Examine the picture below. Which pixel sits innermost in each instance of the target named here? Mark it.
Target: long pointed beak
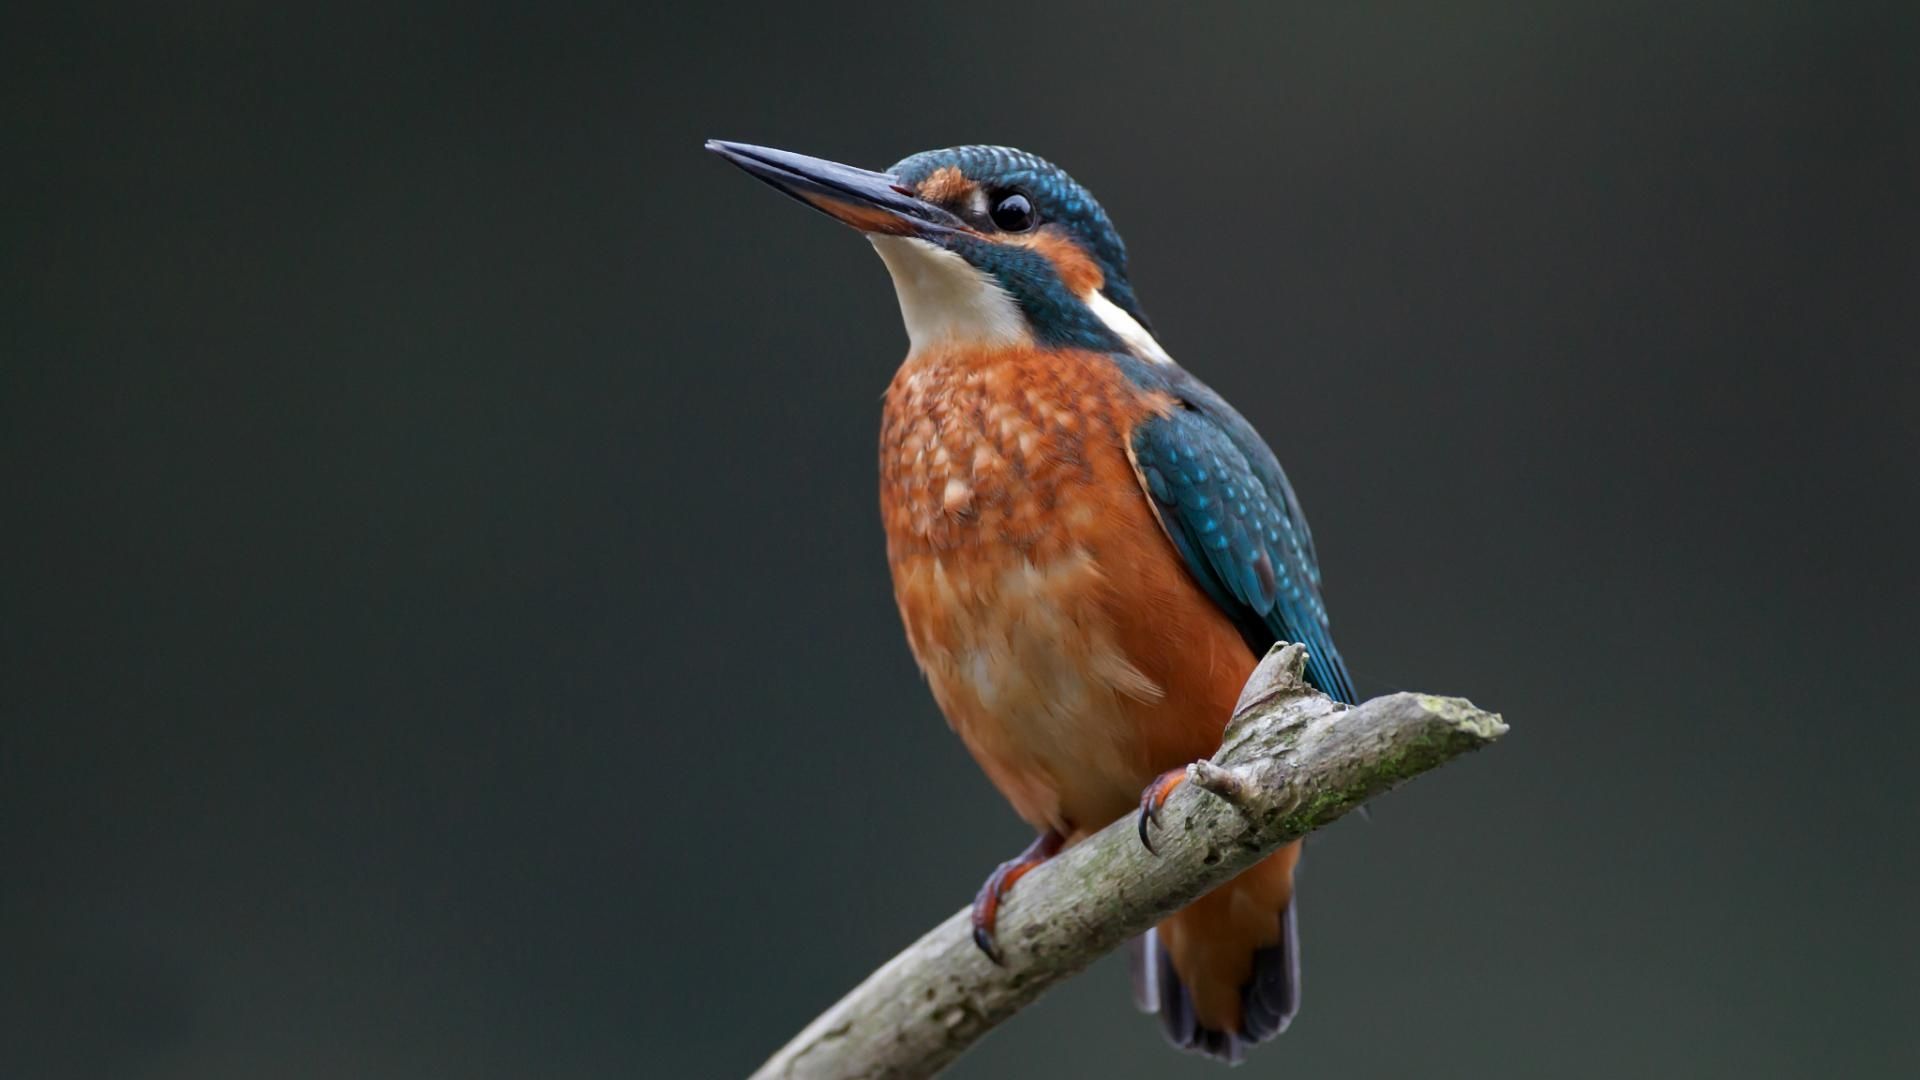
(868, 201)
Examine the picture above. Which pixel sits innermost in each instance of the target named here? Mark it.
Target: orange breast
(1058, 629)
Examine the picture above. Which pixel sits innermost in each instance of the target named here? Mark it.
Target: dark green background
(443, 624)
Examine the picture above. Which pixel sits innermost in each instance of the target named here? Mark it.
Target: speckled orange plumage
(1061, 634)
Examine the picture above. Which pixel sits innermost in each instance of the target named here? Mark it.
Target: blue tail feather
(1267, 1003)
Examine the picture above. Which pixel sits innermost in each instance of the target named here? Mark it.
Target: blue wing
(1227, 507)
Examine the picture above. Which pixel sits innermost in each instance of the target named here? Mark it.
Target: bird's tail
(1224, 972)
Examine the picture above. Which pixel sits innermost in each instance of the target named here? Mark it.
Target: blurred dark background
(444, 628)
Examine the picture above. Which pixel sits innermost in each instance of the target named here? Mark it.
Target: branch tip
(1292, 762)
(1227, 783)
(1280, 673)
(1465, 717)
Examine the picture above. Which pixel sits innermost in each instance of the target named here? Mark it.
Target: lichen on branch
(1292, 761)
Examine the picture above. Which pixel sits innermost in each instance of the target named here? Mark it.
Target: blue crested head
(1020, 192)
(986, 244)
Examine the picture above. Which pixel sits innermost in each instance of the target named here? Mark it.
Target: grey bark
(1291, 761)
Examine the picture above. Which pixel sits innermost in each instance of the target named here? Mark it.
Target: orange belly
(1061, 634)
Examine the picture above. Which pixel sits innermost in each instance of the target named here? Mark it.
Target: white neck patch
(1127, 328)
(943, 299)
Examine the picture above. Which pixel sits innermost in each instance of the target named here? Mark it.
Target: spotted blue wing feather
(1227, 507)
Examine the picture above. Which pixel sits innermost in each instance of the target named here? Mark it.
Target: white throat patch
(944, 299)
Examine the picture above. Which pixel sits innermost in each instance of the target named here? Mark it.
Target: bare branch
(1291, 761)
(1229, 784)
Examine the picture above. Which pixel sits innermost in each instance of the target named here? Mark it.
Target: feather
(1225, 503)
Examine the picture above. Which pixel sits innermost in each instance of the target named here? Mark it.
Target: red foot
(986, 903)
(1155, 797)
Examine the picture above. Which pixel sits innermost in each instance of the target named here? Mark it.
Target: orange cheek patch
(1077, 271)
(947, 186)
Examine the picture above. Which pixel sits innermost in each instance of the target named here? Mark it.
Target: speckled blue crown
(1057, 196)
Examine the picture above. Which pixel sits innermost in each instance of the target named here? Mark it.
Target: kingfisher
(1090, 549)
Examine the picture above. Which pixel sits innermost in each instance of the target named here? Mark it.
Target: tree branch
(1291, 761)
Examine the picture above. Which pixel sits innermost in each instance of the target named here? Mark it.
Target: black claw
(984, 939)
(1147, 817)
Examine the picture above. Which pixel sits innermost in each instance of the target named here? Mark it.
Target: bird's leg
(1155, 797)
(986, 903)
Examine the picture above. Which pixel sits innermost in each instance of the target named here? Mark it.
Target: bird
(1090, 549)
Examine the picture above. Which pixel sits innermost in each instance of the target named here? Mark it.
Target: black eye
(1014, 213)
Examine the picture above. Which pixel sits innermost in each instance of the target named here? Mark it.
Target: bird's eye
(1014, 213)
